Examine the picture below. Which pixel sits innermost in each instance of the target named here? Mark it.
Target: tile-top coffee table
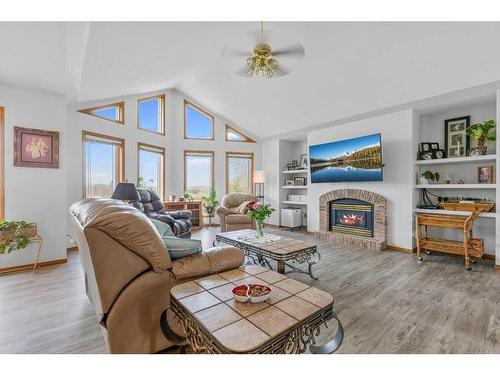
(276, 247)
(214, 322)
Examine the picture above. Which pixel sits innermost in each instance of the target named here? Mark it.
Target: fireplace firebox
(351, 216)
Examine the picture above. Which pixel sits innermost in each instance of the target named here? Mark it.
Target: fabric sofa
(128, 272)
(152, 206)
(230, 215)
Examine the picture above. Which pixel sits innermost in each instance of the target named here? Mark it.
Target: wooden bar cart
(471, 248)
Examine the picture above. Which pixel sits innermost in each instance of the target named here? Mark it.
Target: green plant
(210, 201)
(259, 211)
(482, 132)
(13, 238)
(432, 176)
(187, 196)
(140, 182)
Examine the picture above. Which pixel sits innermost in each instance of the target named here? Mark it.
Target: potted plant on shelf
(15, 235)
(429, 176)
(259, 211)
(481, 133)
(210, 201)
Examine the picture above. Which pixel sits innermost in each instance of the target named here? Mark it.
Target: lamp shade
(259, 177)
(126, 191)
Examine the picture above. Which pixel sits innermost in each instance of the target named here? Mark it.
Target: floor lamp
(259, 177)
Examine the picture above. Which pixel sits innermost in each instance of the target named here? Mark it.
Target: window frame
(203, 153)
(121, 156)
(2, 165)
(247, 155)
(247, 139)
(161, 151)
(162, 98)
(187, 104)
(121, 112)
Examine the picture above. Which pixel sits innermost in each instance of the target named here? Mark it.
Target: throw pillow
(177, 247)
(162, 227)
(242, 208)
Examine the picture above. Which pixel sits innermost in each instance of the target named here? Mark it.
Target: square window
(150, 114)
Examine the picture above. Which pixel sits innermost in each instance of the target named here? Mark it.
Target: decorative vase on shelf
(259, 228)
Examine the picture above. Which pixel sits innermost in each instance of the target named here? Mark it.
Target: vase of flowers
(259, 211)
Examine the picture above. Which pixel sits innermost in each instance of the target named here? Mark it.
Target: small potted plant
(481, 133)
(259, 211)
(429, 176)
(15, 235)
(210, 201)
(187, 196)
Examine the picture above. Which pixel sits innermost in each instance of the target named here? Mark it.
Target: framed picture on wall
(36, 148)
(304, 161)
(456, 141)
(485, 175)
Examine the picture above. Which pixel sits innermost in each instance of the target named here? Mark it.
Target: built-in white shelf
(295, 171)
(300, 203)
(455, 186)
(295, 187)
(490, 215)
(465, 159)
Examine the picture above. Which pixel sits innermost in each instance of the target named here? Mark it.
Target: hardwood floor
(387, 302)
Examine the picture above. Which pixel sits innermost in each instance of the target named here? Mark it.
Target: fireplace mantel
(379, 239)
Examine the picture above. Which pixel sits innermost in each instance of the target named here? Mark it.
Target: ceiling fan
(262, 61)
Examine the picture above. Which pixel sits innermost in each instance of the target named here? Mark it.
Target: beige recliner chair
(129, 273)
(230, 217)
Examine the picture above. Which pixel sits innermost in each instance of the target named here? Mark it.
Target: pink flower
(252, 205)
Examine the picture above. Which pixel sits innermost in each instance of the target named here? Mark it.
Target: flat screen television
(356, 159)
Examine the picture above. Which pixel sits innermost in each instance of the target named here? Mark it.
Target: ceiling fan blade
(280, 71)
(229, 53)
(293, 51)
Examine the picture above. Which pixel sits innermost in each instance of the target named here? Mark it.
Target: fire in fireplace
(351, 216)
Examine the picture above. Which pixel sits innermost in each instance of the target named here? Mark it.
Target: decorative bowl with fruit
(255, 293)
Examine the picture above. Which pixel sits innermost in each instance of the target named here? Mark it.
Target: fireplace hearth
(353, 217)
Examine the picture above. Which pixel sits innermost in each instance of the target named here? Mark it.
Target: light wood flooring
(387, 302)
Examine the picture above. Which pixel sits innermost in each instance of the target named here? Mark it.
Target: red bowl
(240, 293)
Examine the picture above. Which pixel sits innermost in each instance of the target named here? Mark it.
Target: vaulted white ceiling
(349, 68)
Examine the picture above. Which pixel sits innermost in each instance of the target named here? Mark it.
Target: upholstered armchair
(232, 214)
(128, 272)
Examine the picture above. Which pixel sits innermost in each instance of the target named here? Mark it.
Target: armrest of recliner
(223, 211)
(181, 214)
(211, 260)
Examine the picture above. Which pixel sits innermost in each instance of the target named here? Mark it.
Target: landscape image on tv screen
(356, 159)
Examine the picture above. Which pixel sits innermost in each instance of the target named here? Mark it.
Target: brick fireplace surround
(379, 240)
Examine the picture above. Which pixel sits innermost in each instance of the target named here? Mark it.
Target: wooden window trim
(161, 151)
(246, 140)
(242, 154)
(121, 155)
(121, 112)
(188, 103)
(203, 153)
(2, 162)
(162, 99)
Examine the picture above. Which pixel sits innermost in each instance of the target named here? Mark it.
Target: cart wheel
(473, 261)
(428, 252)
(420, 258)
(469, 268)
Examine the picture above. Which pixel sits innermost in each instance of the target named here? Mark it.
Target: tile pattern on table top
(234, 275)
(244, 326)
(272, 320)
(186, 289)
(241, 336)
(211, 281)
(217, 316)
(291, 285)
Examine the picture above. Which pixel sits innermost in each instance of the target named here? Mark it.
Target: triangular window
(112, 112)
(232, 135)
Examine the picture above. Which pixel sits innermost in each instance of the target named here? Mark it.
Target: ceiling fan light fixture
(262, 63)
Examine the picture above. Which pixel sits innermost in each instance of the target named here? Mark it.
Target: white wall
(35, 194)
(173, 142)
(397, 148)
(271, 167)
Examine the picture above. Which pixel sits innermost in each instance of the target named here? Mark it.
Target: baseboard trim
(401, 249)
(25, 267)
(488, 256)
(497, 267)
(72, 248)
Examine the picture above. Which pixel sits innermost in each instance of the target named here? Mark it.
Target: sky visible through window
(100, 169)
(198, 125)
(149, 170)
(198, 174)
(232, 136)
(110, 113)
(149, 115)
